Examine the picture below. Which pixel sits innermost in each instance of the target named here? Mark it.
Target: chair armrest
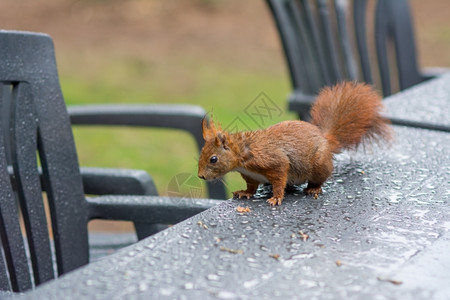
(107, 181)
(147, 209)
(183, 117)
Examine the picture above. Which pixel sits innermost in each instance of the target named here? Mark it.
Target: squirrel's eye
(213, 159)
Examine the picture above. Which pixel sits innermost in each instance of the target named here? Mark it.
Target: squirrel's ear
(204, 128)
(207, 132)
(222, 140)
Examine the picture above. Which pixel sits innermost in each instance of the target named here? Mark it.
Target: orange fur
(294, 152)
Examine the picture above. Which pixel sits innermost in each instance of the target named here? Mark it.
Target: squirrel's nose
(202, 177)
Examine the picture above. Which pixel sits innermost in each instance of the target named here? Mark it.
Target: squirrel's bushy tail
(348, 114)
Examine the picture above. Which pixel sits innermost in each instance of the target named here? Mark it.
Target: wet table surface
(425, 105)
(380, 230)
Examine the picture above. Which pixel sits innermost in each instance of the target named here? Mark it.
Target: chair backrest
(325, 41)
(35, 132)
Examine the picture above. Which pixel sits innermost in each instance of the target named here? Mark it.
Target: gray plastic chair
(318, 38)
(38, 156)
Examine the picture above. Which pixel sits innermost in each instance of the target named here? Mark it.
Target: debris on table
(243, 209)
(275, 256)
(338, 263)
(393, 281)
(234, 251)
(203, 225)
(303, 235)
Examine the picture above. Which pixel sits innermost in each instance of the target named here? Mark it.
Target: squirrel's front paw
(242, 194)
(275, 201)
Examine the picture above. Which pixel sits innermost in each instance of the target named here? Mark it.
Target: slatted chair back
(325, 42)
(36, 133)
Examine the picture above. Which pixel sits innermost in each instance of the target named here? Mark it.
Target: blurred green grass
(215, 85)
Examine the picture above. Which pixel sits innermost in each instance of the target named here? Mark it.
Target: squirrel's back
(348, 114)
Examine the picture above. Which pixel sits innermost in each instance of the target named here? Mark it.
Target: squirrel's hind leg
(313, 189)
(322, 170)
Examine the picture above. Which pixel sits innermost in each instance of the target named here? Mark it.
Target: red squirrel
(295, 152)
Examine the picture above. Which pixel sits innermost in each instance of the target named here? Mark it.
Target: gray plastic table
(426, 105)
(381, 230)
